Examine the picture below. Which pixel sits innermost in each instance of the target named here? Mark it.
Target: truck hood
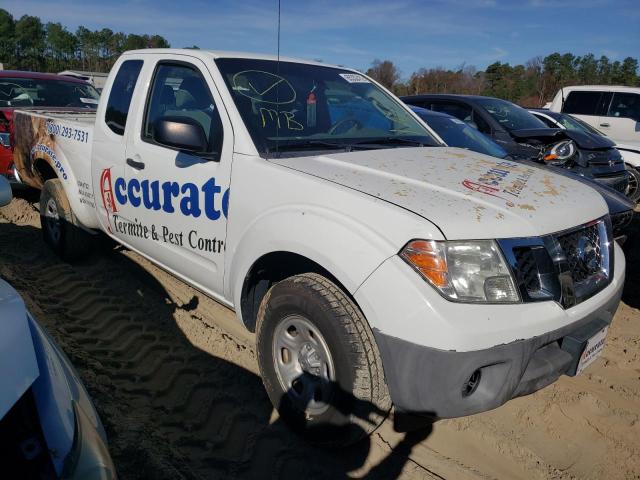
(585, 141)
(18, 363)
(467, 195)
(616, 201)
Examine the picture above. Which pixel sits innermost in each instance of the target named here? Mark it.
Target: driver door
(181, 198)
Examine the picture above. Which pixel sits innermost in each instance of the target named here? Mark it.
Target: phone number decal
(76, 134)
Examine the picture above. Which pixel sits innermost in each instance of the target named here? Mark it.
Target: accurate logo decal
(499, 181)
(170, 197)
(106, 190)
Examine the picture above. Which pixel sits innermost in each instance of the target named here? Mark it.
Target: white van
(612, 109)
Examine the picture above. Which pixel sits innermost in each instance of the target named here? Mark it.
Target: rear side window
(120, 96)
(582, 103)
(625, 105)
(546, 121)
(463, 112)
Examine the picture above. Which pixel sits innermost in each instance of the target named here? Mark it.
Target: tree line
(28, 44)
(531, 84)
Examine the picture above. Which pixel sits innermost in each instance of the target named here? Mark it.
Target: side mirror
(183, 133)
(5, 191)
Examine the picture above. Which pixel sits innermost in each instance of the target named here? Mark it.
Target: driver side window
(180, 91)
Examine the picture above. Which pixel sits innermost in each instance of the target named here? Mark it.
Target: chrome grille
(527, 269)
(568, 267)
(582, 249)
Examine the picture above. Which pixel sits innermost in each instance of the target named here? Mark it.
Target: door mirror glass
(182, 133)
(5, 192)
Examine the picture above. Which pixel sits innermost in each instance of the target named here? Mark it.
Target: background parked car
(525, 137)
(613, 109)
(36, 90)
(630, 154)
(48, 425)
(457, 133)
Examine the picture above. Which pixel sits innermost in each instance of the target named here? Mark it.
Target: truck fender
(342, 245)
(59, 165)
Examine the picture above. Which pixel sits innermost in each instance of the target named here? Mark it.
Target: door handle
(605, 125)
(135, 164)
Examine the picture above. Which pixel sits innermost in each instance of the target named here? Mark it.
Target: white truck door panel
(174, 204)
(622, 122)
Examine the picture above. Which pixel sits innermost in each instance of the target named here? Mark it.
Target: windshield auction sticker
(354, 78)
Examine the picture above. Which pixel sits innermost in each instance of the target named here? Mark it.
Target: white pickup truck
(375, 265)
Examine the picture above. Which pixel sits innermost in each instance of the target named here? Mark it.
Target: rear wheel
(60, 227)
(319, 361)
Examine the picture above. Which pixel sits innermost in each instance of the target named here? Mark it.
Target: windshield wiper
(289, 146)
(391, 141)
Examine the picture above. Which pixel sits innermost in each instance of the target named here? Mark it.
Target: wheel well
(44, 170)
(270, 269)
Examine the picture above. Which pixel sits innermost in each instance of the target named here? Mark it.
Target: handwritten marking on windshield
(270, 115)
(261, 87)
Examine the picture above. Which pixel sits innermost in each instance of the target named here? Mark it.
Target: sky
(413, 34)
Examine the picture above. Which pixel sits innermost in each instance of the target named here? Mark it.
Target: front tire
(319, 361)
(60, 227)
(633, 191)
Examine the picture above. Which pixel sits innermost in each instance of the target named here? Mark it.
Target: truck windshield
(30, 92)
(289, 106)
(509, 115)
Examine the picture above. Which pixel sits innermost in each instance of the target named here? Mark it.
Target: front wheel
(633, 190)
(60, 228)
(319, 361)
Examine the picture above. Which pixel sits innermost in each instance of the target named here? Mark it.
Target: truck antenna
(278, 88)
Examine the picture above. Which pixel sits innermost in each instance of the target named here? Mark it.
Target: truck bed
(56, 143)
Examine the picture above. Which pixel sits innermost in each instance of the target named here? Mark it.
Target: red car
(26, 90)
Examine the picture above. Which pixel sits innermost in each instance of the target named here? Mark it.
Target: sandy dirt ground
(175, 381)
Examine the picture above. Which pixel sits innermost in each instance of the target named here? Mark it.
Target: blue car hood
(18, 363)
(586, 141)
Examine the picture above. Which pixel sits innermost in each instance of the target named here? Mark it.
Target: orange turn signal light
(429, 260)
(551, 156)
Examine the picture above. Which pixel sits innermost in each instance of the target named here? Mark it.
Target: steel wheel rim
(632, 188)
(303, 364)
(52, 221)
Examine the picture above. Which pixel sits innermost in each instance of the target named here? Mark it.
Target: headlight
(560, 153)
(463, 271)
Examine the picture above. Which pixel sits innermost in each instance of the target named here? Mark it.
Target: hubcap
(303, 364)
(52, 221)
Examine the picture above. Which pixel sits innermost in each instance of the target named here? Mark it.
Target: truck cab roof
(207, 54)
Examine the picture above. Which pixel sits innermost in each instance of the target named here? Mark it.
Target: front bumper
(431, 347)
(447, 384)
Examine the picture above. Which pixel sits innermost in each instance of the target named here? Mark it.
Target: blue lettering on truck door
(190, 199)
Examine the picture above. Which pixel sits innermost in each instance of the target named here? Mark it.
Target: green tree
(587, 69)
(629, 72)
(7, 39)
(30, 42)
(61, 47)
